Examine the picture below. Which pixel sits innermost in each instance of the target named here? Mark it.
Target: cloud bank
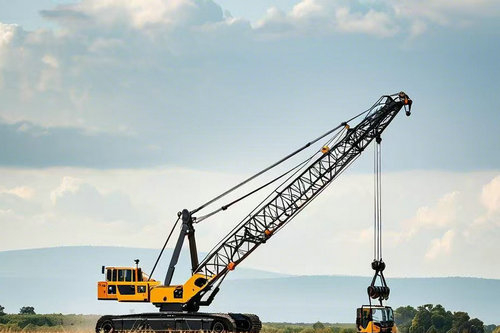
(427, 229)
(116, 82)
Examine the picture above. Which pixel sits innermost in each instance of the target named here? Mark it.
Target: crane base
(179, 321)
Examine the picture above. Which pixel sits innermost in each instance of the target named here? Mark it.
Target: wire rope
(377, 201)
(163, 248)
(343, 124)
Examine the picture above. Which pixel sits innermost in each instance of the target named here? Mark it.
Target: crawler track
(179, 321)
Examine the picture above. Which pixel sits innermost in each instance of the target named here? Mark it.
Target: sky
(115, 115)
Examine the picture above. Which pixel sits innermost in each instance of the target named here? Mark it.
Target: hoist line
(343, 124)
(374, 202)
(379, 146)
(377, 201)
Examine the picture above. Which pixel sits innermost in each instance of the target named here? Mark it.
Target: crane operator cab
(125, 284)
(376, 319)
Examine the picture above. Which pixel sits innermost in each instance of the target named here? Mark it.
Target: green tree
(423, 319)
(29, 310)
(432, 329)
(347, 330)
(441, 319)
(489, 328)
(438, 321)
(2, 310)
(476, 326)
(460, 322)
(404, 315)
(318, 325)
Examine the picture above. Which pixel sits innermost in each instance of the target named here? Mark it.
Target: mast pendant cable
(164, 246)
(293, 171)
(342, 125)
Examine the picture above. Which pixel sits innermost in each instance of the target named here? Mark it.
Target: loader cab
(376, 319)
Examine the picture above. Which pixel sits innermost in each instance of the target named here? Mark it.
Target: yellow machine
(125, 284)
(375, 319)
(128, 284)
(179, 304)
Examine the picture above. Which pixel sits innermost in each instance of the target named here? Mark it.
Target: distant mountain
(63, 280)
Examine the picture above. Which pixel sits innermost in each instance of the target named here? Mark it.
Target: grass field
(58, 323)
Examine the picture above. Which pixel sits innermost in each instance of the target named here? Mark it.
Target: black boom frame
(257, 228)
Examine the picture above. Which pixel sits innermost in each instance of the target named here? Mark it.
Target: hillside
(62, 280)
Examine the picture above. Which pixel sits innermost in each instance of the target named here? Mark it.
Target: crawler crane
(179, 304)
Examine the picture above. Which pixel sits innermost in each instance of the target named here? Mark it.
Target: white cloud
(490, 196)
(50, 61)
(382, 18)
(489, 219)
(308, 8)
(7, 32)
(23, 192)
(75, 197)
(136, 14)
(446, 12)
(441, 246)
(373, 22)
(68, 185)
(443, 214)
(417, 28)
(92, 71)
(326, 17)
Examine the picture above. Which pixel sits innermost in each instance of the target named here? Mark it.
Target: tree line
(424, 319)
(436, 319)
(27, 320)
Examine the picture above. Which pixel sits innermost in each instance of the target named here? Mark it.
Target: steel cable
(163, 248)
(343, 124)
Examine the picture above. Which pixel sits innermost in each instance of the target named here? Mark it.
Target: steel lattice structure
(289, 201)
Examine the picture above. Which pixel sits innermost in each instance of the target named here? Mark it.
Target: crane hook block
(378, 265)
(231, 266)
(379, 292)
(325, 149)
(268, 232)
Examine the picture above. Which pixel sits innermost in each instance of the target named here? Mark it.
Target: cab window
(109, 273)
(114, 275)
(390, 315)
(378, 315)
(121, 275)
(128, 275)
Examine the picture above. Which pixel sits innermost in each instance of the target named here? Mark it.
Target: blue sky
(92, 91)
